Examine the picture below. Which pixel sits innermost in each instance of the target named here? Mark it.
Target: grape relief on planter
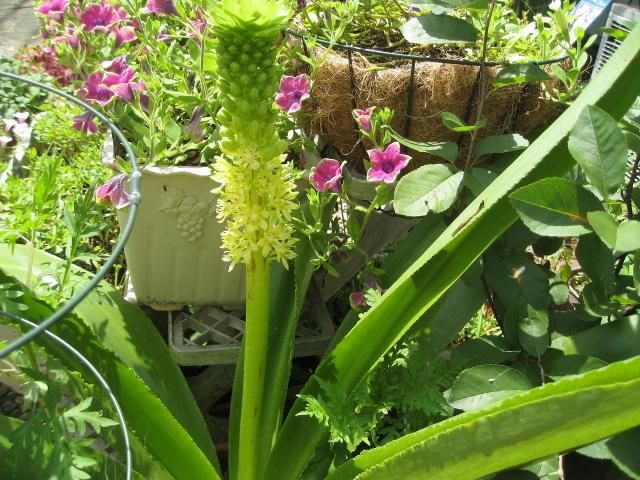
(189, 211)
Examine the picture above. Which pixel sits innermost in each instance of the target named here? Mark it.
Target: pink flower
(192, 129)
(358, 301)
(95, 89)
(386, 165)
(113, 192)
(70, 38)
(97, 17)
(326, 175)
(124, 35)
(199, 24)
(363, 118)
(85, 123)
(116, 81)
(293, 90)
(160, 7)
(53, 9)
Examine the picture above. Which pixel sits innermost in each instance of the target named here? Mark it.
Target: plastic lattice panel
(213, 335)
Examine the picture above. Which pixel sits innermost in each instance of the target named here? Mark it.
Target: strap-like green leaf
(121, 341)
(540, 422)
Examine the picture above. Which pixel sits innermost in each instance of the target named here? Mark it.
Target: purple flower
(124, 35)
(85, 123)
(293, 90)
(160, 7)
(358, 301)
(113, 192)
(192, 129)
(199, 24)
(363, 118)
(95, 89)
(326, 175)
(70, 38)
(53, 9)
(97, 17)
(117, 80)
(386, 165)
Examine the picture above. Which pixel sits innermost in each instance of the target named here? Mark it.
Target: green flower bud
(258, 193)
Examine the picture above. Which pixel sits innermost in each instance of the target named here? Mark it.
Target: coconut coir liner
(438, 88)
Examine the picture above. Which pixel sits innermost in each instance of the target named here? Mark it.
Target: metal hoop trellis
(58, 315)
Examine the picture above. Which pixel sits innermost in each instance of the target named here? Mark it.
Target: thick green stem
(256, 338)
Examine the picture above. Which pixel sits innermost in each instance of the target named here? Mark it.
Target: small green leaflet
(455, 123)
(446, 150)
(433, 29)
(520, 73)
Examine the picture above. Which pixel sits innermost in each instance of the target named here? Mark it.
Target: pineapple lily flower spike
(257, 193)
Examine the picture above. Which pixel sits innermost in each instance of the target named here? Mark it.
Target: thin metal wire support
(99, 377)
(419, 58)
(134, 198)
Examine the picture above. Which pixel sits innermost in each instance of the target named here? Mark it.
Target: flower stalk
(257, 193)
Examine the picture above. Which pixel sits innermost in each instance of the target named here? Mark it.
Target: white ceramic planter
(173, 255)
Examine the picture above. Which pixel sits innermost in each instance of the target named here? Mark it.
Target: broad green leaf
(597, 450)
(480, 386)
(430, 188)
(516, 475)
(558, 290)
(636, 271)
(605, 226)
(628, 236)
(624, 452)
(449, 4)
(455, 123)
(477, 179)
(446, 150)
(520, 73)
(509, 142)
(597, 144)
(610, 342)
(534, 424)
(572, 365)
(633, 141)
(441, 263)
(555, 207)
(482, 350)
(433, 29)
(596, 260)
(517, 277)
(533, 333)
(623, 237)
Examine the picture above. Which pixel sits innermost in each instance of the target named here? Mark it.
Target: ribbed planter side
(174, 256)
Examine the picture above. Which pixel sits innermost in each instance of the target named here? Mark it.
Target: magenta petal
(375, 175)
(113, 192)
(327, 175)
(124, 91)
(393, 150)
(376, 156)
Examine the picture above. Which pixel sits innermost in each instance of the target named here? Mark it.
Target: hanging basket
(418, 89)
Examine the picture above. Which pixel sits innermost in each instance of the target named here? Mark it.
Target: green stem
(256, 338)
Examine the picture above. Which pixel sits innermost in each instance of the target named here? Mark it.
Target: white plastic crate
(213, 335)
(622, 17)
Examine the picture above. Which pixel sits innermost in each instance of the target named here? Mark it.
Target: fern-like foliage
(404, 393)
